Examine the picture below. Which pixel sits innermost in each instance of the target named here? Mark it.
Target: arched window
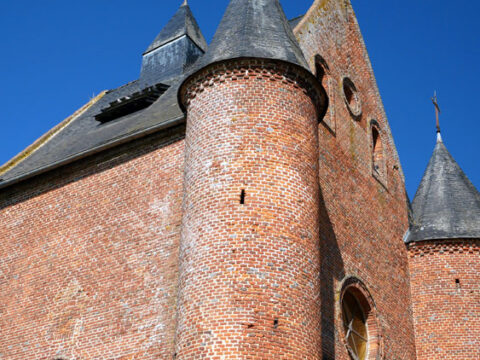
(321, 69)
(352, 98)
(322, 72)
(359, 321)
(355, 326)
(378, 158)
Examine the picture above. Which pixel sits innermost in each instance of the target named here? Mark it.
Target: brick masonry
(446, 298)
(88, 257)
(363, 213)
(249, 286)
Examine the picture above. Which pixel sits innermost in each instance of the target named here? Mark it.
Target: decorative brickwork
(249, 286)
(88, 257)
(259, 69)
(445, 279)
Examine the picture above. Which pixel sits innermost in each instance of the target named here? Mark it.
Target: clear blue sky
(56, 54)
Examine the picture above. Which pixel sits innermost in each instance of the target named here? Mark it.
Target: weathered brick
(363, 213)
(88, 256)
(445, 281)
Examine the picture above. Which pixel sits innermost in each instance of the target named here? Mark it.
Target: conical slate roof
(253, 29)
(182, 23)
(447, 204)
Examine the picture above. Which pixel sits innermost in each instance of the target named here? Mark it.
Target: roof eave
(109, 145)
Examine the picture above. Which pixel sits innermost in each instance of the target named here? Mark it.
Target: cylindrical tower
(444, 258)
(249, 256)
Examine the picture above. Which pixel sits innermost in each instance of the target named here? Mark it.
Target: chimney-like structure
(177, 46)
(444, 249)
(249, 253)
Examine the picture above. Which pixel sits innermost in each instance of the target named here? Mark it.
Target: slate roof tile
(447, 204)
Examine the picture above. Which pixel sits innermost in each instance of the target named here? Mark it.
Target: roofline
(173, 40)
(309, 12)
(295, 18)
(441, 239)
(317, 4)
(136, 135)
(45, 138)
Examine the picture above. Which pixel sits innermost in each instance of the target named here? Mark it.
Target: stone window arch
(359, 320)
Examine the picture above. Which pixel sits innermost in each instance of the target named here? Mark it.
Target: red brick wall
(363, 215)
(446, 313)
(88, 257)
(249, 273)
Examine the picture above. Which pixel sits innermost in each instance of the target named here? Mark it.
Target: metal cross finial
(437, 111)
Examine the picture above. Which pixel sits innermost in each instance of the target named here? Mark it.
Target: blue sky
(57, 54)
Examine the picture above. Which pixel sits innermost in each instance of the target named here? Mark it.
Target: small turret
(444, 251)
(447, 204)
(249, 254)
(177, 46)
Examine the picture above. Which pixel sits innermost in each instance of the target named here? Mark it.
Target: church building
(241, 199)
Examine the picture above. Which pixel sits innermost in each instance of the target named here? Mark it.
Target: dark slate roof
(166, 61)
(253, 29)
(169, 61)
(447, 204)
(176, 48)
(182, 23)
(85, 135)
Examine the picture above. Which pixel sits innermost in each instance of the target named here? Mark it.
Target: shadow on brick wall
(331, 272)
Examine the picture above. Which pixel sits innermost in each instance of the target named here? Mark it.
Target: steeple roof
(174, 50)
(253, 29)
(182, 23)
(447, 204)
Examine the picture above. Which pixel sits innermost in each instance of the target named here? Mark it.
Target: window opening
(352, 98)
(322, 72)
(378, 160)
(132, 103)
(320, 66)
(354, 321)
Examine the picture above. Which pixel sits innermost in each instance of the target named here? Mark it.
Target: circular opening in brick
(352, 98)
(360, 327)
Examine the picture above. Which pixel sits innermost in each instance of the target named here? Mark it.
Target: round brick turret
(445, 278)
(444, 249)
(249, 256)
